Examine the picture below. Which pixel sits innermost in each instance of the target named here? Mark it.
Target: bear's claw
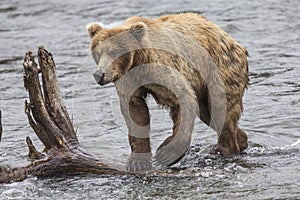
(139, 162)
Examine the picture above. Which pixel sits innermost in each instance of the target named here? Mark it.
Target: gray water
(269, 29)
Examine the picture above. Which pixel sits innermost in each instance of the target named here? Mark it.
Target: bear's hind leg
(242, 139)
(232, 140)
(137, 118)
(227, 140)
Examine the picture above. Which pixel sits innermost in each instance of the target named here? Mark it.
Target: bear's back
(229, 56)
(220, 45)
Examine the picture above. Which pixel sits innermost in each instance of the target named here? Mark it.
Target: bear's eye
(112, 54)
(96, 57)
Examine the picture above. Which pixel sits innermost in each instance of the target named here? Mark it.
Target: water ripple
(269, 169)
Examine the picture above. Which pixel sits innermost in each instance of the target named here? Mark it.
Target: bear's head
(114, 49)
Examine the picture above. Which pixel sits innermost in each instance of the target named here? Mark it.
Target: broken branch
(49, 119)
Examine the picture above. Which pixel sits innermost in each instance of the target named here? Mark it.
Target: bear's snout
(99, 77)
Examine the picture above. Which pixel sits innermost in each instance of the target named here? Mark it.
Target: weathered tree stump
(49, 119)
(0, 125)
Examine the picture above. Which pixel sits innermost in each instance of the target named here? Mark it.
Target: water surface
(270, 169)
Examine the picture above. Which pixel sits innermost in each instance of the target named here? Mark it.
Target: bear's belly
(162, 95)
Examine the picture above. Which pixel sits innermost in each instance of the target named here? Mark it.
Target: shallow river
(270, 169)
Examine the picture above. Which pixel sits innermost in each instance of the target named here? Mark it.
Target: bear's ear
(93, 28)
(138, 30)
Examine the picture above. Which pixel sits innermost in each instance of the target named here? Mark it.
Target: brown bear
(187, 64)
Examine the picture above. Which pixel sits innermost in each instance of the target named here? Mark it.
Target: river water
(270, 169)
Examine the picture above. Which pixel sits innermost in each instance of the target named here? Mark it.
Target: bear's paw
(139, 162)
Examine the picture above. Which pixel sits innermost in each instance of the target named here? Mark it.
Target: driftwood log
(49, 119)
(0, 125)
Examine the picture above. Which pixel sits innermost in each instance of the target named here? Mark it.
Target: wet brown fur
(229, 56)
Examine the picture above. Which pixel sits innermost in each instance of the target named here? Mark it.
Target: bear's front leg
(140, 157)
(136, 115)
(174, 147)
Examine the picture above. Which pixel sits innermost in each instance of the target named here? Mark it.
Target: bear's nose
(99, 76)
